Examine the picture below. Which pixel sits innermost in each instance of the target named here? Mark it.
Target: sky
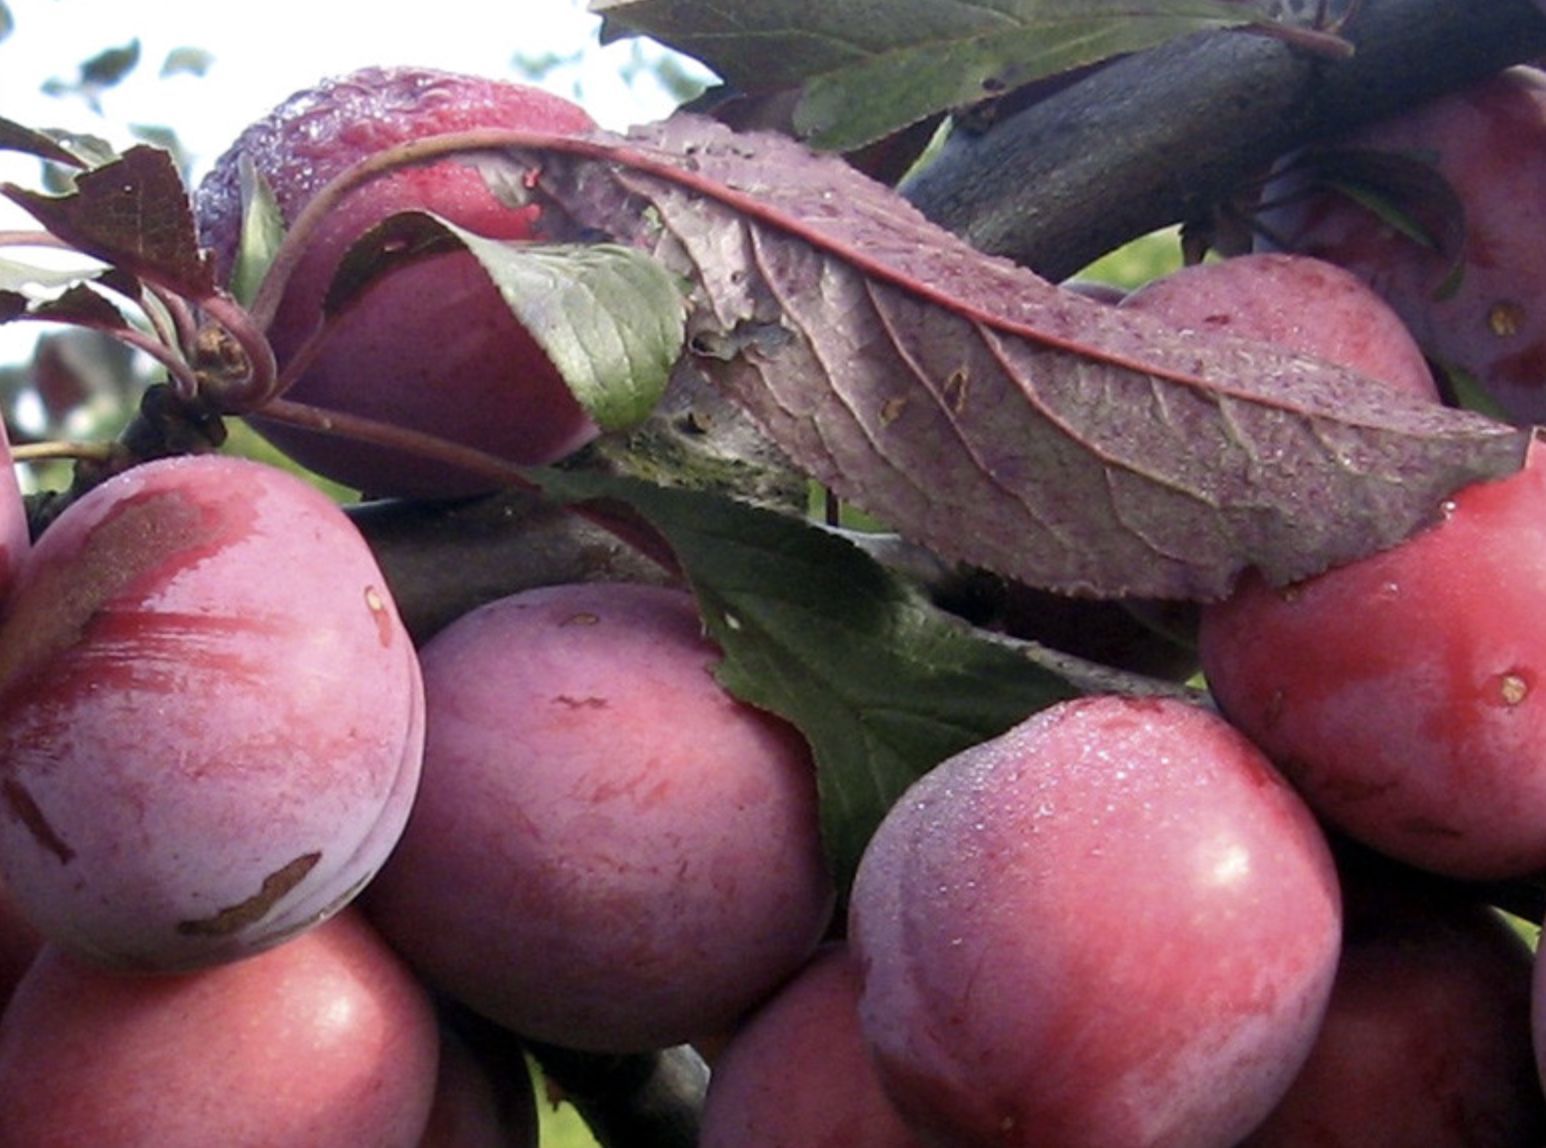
(260, 53)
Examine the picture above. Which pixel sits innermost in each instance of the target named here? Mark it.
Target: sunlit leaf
(610, 318)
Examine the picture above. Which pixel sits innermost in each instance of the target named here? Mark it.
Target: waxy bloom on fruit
(211, 716)
(609, 851)
(1114, 926)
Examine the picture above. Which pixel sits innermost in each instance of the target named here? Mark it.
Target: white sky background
(262, 52)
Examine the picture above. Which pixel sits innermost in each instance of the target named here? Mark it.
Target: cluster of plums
(252, 837)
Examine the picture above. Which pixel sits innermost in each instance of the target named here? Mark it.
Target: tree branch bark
(1160, 137)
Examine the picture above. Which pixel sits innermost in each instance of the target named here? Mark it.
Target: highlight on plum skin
(609, 852)
(1114, 925)
(431, 346)
(211, 716)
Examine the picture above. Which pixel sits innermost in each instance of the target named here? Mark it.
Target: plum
(326, 1041)
(1427, 1035)
(211, 716)
(1468, 281)
(1296, 302)
(1402, 693)
(797, 1074)
(432, 346)
(14, 540)
(609, 852)
(472, 1110)
(1113, 925)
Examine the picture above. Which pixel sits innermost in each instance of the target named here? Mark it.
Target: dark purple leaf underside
(133, 213)
(996, 418)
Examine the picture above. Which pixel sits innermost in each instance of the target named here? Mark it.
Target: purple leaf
(995, 417)
(133, 213)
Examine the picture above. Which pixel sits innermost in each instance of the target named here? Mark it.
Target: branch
(441, 560)
(1161, 137)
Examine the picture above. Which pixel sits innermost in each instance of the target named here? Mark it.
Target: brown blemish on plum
(1509, 688)
(25, 809)
(584, 618)
(377, 605)
(574, 703)
(1505, 319)
(234, 918)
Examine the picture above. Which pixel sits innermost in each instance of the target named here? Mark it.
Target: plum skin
(609, 852)
(211, 716)
(796, 1074)
(1427, 1035)
(1422, 734)
(432, 346)
(325, 1041)
(1296, 302)
(1488, 142)
(1113, 925)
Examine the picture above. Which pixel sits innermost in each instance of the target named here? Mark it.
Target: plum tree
(211, 717)
(1115, 924)
(432, 346)
(326, 1041)
(609, 852)
(797, 1074)
(1461, 267)
(1082, 905)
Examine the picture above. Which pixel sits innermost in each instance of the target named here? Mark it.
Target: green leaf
(28, 278)
(263, 230)
(18, 137)
(609, 317)
(111, 66)
(187, 61)
(868, 69)
(882, 684)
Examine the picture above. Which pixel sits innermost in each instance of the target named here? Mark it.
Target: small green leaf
(187, 61)
(882, 684)
(111, 66)
(263, 230)
(28, 278)
(610, 318)
(18, 137)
